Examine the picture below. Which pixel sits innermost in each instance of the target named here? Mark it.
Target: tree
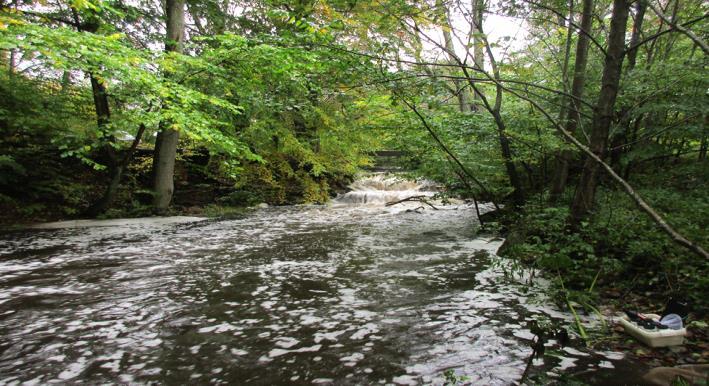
(476, 16)
(493, 108)
(561, 172)
(603, 114)
(116, 162)
(168, 137)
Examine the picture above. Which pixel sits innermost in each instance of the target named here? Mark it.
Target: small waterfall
(382, 188)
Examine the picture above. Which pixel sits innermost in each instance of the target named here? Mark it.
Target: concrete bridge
(387, 160)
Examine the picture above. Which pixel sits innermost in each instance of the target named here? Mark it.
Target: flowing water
(349, 293)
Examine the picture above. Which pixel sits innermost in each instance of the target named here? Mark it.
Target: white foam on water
(351, 284)
(287, 342)
(606, 365)
(142, 221)
(380, 189)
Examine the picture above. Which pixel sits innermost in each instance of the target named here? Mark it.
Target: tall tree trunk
(603, 114)
(459, 89)
(5, 59)
(567, 56)
(166, 141)
(494, 110)
(561, 172)
(478, 7)
(619, 140)
(515, 181)
(12, 62)
(564, 80)
(704, 143)
(640, 8)
(66, 80)
(117, 162)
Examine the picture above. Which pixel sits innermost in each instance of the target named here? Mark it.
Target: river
(348, 293)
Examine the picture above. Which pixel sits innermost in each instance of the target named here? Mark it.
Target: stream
(348, 293)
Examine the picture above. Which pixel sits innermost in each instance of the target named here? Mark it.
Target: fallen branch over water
(421, 198)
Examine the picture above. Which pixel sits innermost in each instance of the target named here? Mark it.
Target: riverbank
(619, 260)
(176, 215)
(63, 188)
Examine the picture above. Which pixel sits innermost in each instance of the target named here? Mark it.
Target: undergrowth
(619, 251)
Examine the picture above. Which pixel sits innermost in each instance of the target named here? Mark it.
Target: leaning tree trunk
(116, 167)
(494, 110)
(505, 148)
(166, 141)
(103, 117)
(603, 114)
(561, 172)
(115, 170)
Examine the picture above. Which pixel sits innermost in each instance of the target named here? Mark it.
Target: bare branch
(663, 32)
(445, 148)
(420, 198)
(581, 30)
(47, 16)
(701, 43)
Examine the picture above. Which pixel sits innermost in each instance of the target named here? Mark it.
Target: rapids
(381, 188)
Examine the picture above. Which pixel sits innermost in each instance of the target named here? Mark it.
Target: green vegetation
(620, 249)
(590, 127)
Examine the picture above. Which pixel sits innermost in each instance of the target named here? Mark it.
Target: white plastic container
(654, 338)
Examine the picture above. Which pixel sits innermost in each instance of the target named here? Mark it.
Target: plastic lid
(672, 321)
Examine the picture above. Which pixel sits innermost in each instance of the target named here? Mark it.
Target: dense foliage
(276, 119)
